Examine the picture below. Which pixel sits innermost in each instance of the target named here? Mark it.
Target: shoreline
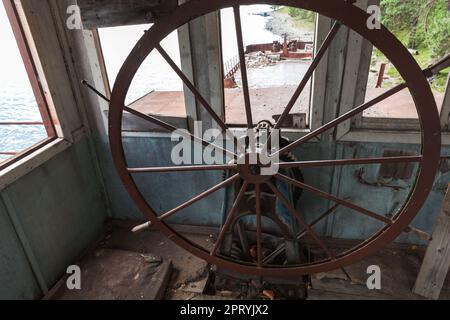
(281, 23)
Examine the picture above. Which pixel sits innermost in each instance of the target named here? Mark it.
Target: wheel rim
(349, 16)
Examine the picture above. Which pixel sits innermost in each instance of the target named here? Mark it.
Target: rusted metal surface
(302, 222)
(281, 248)
(381, 75)
(231, 67)
(230, 218)
(275, 48)
(184, 168)
(328, 196)
(346, 14)
(198, 198)
(258, 225)
(220, 122)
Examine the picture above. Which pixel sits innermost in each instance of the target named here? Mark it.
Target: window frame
(403, 124)
(395, 130)
(293, 133)
(36, 85)
(350, 92)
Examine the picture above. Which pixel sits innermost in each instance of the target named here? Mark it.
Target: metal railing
(17, 123)
(231, 67)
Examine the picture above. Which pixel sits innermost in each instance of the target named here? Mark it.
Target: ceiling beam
(111, 13)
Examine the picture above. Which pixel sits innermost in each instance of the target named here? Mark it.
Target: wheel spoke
(171, 128)
(183, 168)
(258, 224)
(229, 218)
(198, 198)
(320, 53)
(300, 235)
(194, 91)
(284, 228)
(294, 213)
(347, 162)
(328, 196)
(341, 119)
(240, 42)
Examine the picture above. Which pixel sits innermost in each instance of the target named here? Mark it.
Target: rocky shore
(282, 23)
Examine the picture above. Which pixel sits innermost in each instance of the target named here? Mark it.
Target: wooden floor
(110, 275)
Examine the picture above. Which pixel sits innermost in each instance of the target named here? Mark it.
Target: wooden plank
(187, 66)
(386, 124)
(436, 263)
(318, 84)
(356, 72)
(363, 73)
(350, 79)
(111, 13)
(200, 42)
(334, 81)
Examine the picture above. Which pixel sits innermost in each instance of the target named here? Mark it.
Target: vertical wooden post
(201, 60)
(436, 263)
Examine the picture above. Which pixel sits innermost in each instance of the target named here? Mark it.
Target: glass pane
(17, 101)
(156, 89)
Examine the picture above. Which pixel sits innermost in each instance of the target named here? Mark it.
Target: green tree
(437, 29)
(400, 15)
(294, 12)
(301, 14)
(425, 22)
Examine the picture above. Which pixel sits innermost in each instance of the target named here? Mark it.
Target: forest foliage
(425, 23)
(422, 25)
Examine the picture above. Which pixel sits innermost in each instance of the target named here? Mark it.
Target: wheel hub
(251, 167)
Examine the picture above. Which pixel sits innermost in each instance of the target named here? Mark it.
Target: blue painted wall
(47, 218)
(165, 191)
(16, 275)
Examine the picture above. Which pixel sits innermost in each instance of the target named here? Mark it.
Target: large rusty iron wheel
(344, 13)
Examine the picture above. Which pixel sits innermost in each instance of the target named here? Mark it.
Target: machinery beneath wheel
(263, 235)
(279, 243)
